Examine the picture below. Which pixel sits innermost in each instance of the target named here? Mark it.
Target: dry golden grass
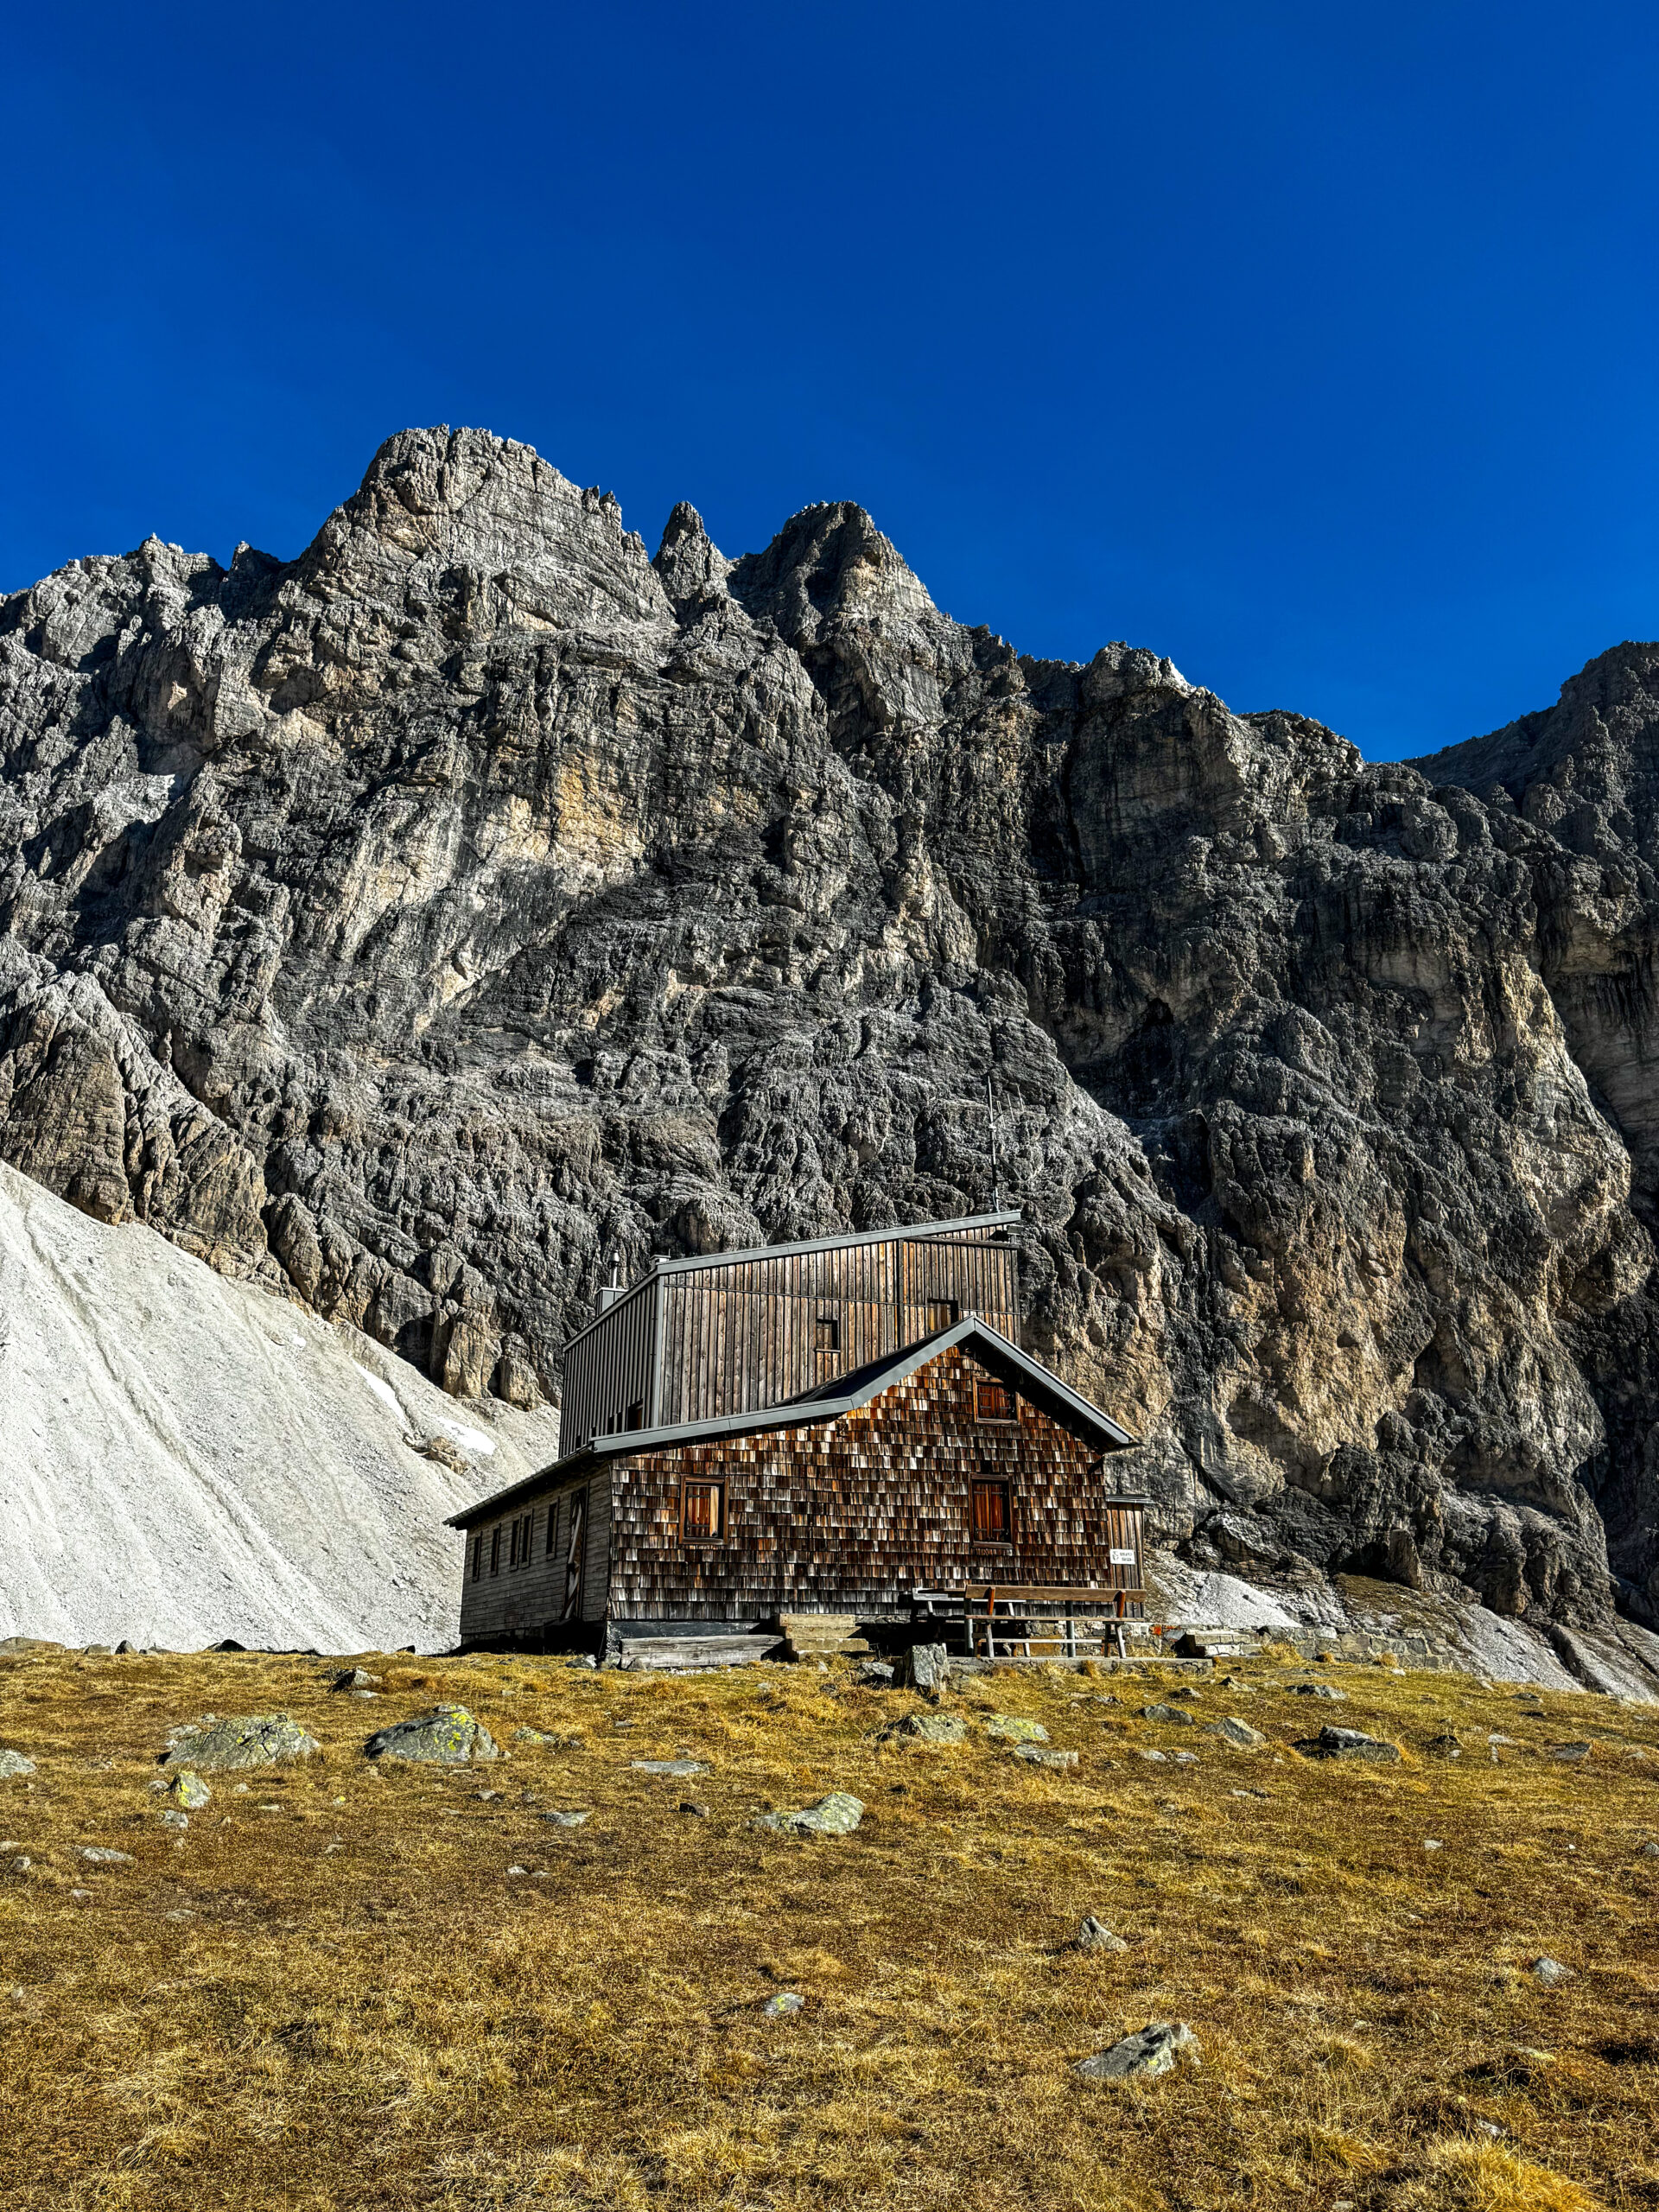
(331, 1993)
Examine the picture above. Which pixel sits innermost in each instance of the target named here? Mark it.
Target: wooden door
(575, 1553)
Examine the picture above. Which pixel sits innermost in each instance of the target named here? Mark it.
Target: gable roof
(829, 1401)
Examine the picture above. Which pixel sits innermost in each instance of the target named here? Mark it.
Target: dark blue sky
(1313, 346)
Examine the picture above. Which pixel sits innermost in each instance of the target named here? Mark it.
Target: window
(495, 1549)
(704, 1510)
(552, 1527)
(478, 1557)
(942, 1314)
(518, 1540)
(993, 1519)
(512, 1543)
(993, 1401)
(636, 1414)
(826, 1333)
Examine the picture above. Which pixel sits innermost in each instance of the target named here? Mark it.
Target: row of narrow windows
(511, 1544)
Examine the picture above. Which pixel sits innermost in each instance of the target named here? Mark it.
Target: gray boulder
(255, 1739)
(1239, 1733)
(1550, 1972)
(188, 1790)
(1571, 1753)
(1348, 1743)
(99, 1854)
(448, 1736)
(924, 1667)
(1156, 2050)
(838, 1814)
(567, 1819)
(1034, 1755)
(1168, 1713)
(13, 1763)
(354, 1678)
(1326, 1690)
(1095, 1936)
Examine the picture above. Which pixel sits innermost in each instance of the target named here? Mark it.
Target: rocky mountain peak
(406, 926)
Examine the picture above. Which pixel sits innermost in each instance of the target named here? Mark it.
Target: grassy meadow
(362, 1986)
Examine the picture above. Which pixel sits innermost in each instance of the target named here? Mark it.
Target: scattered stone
(1550, 1972)
(1034, 1755)
(784, 2007)
(931, 1727)
(1511, 1742)
(1249, 1793)
(487, 1796)
(1186, 1758)
(1433, 1843)
(188, 1789)
(536, 1737)
(1158, 1758)
(179, 1913)
(99, 1854)
(1347, 1744)
(838, 1814)
(13, 1763)
(567, 1819)
(876, 1675)
(1571, 1752)
(20, 1864)
(1014, 1728)
(174, 1817)
(80, 1897)
(924, 1667)
(680, 1770)
(1239, 1733)
(1328, 1690)
(1649, 1851)
(1447, 1747)
(697, 1811)
(256, 1740)
(1095, 1936)
(1156, 2050)
(518, 1870)
(448, 1736)
(355, 1678)
(1168, 1713)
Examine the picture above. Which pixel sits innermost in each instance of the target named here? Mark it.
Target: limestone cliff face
(409, 925)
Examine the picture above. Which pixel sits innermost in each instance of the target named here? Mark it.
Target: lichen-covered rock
(1014, 1728)
(931, 1727)
(189, 1791)
(216, 1745)
(838, 1814)
(709, 889)
(448, 1736)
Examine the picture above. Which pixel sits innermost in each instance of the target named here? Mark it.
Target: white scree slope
(184, 1458)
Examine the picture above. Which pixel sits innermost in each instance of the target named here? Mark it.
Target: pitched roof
(829, 1401)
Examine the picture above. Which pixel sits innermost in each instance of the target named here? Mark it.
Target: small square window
(636, 1414)
(942, 1314)
(705, 1510)
(826, 1333)
(992, 1514)
(993, 1401)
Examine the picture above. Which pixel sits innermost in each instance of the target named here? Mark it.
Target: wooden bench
(1082, 1619)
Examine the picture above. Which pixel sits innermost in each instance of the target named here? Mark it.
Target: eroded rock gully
(409, 924)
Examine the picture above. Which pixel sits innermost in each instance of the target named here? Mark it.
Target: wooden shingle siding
(852, 1515)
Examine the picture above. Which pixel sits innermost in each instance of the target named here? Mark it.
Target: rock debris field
(505, 1931)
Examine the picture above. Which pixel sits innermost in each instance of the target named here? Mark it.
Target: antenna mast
(990, 1116)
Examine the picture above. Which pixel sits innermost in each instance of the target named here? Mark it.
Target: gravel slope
(188, 1457)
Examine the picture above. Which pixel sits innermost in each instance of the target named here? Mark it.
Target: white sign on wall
(1121, 1558)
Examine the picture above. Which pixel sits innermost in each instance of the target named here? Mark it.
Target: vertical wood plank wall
(609, 1368)
(522, 1599)
(743, 1336)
